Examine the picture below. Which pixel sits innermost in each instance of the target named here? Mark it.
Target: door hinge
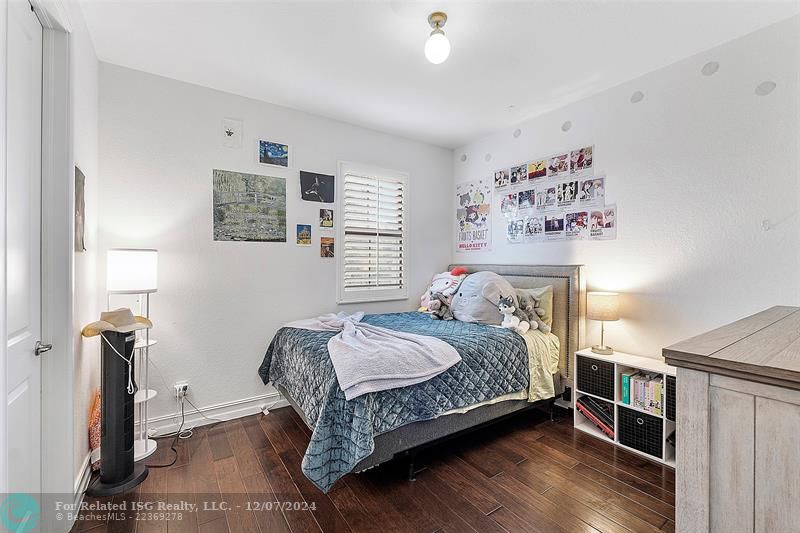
(41, 348)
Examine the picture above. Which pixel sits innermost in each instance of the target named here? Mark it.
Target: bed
(496, 365)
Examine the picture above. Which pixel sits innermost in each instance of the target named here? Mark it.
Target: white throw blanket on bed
(369, 358)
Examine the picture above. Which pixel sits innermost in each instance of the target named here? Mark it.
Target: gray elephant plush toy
(478, 296)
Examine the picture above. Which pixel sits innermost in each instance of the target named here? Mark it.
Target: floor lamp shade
(131, 271)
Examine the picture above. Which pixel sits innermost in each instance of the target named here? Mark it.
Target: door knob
(41, 348)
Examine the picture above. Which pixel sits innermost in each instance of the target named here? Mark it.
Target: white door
(24, 212)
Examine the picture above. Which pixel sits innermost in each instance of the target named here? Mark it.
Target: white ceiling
(363, 62)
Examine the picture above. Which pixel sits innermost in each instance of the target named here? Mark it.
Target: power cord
(174, 441)
(183, 433)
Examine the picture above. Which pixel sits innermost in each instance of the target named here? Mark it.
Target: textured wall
(694, 168)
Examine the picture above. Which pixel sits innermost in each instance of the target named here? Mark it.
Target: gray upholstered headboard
(569, 301)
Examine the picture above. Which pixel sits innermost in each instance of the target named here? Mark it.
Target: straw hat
(121, 320)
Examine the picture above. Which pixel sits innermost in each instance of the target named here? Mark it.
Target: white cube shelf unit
(635, 429)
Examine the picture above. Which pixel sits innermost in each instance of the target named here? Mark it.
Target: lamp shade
(131, 271)
(602, 306)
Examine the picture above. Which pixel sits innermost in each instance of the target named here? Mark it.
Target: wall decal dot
(517, 133)
(463, 157)
(637, 97)
(565, 127)
(487, 157)
(710, 68)
(765, 87)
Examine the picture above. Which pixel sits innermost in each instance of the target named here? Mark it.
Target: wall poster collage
(252, 207)
(555, 198)
(474, 216)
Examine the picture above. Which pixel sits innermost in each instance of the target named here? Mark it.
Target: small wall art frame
(274, 153)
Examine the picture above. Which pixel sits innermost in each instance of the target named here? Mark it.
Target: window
(374, 250)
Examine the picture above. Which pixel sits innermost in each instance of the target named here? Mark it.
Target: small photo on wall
(326, 218)
(501, 178)
(576, 225)
(317, 187)
(326, 247)
(304, 234)
(567, 192)
(558, 165)
(508, 204)
(534, 226)
(554, 223)
(519, 174)
(603, 223)
(514, 230)
(527, 199)
(546, 197)
(232, 133)
(592, 190)
(580, 159)
(273, 153)
(537, 169)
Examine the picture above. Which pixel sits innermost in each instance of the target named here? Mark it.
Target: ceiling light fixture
(437, 47)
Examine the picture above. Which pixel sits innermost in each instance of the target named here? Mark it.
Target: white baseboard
(81, 483)
(166, 424)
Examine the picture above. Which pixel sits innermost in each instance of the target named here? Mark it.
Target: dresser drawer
(595, 377)
(640, 431)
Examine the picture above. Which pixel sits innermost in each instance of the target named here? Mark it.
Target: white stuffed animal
(506, 307)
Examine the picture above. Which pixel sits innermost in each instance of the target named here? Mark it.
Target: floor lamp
(135, 272)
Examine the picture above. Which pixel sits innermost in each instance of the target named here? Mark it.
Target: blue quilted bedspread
(494, 362)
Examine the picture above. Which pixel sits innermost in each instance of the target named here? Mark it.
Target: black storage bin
(640, 431)
(671, 398)
(596, 377)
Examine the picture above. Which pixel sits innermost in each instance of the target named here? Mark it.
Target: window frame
(374, 295)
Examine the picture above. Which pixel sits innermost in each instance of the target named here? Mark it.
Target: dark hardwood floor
(524, 474)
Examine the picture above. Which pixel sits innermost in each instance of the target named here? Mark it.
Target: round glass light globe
(437, 48)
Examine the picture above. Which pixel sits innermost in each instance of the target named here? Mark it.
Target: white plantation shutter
(373, 251)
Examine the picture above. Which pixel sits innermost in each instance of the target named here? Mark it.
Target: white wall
(219, 303)
(694, 169)
(84, 91)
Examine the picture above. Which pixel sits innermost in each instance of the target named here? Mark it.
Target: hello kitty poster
(474, 215)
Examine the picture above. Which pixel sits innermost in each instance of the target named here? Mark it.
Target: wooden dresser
(738, 419)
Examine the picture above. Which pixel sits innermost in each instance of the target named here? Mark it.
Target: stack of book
(643, 391)
(598, 412)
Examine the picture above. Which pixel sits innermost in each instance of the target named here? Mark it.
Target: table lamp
(602, 306)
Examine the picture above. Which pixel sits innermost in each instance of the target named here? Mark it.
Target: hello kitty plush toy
(447, 284)
(506, 307)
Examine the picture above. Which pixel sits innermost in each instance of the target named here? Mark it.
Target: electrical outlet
(181, 389)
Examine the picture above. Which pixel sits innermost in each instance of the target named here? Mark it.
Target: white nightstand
(600, 378)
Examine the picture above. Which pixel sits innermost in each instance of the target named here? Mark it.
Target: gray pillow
(478, 296)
